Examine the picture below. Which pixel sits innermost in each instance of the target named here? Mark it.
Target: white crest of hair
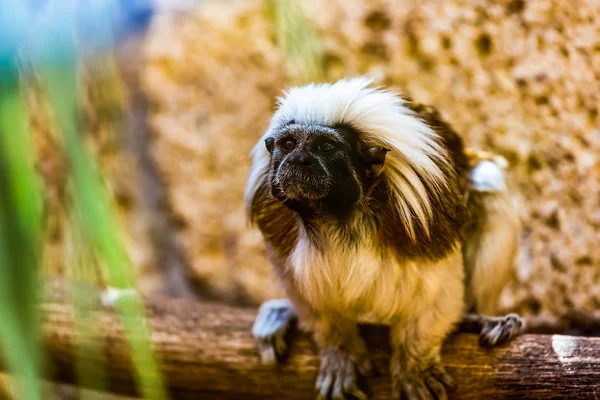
(488, 176)
(258, 171)
(383, 119)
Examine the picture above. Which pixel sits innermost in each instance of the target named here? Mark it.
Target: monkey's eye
(326, 147)
(288, 145)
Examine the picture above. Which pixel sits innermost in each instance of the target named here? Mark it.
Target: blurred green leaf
(45, 34)
(81, 264)
(20, 241)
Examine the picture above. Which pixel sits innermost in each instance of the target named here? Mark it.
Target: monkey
(373, 212)
(490, 249)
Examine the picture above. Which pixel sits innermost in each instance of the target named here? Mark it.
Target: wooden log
(207, 351)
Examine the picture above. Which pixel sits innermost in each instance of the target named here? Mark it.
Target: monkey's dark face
(318, 165)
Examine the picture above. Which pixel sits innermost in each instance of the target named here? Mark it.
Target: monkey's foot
(337, 377)
(499, 330)
(429, 384)
(274, 320)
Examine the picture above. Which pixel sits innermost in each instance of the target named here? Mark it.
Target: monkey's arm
(342, 350)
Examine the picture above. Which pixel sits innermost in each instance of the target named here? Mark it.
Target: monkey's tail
(492, 237)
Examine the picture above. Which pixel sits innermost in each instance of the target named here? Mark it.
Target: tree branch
(207, 350)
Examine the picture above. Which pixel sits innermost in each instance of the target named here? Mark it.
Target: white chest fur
(369, 285)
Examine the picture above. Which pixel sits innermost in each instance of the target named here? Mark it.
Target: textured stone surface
(212, 77)
(517, 77)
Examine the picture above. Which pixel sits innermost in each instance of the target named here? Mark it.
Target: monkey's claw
(430, 384)
(337, 377)
(274, 320)
(497, 331)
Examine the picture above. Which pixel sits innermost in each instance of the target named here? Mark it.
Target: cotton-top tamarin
(373, 212)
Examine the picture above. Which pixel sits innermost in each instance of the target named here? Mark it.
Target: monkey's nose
(302, 159)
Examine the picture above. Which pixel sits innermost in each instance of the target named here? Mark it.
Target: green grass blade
(94, 211)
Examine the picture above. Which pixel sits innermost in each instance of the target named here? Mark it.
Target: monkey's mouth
(299, 185)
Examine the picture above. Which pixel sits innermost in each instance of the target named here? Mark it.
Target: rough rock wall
(211, 78)
(517, 77)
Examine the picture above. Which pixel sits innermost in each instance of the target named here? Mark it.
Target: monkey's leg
(416, 368)
(342, 353)
(275, 319)
(490, 251)
(493, 331)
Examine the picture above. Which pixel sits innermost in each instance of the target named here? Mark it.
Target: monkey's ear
(270, 143)
(376, 155)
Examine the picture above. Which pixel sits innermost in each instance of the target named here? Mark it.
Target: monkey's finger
(488, 326)
(436, 387)
(520, 322)
(273, 316)
(417, 392)
(513, 318)
(319, 381)
(324, 385)
(357, 393)
(263, 325)
(267, 351)
(349, 380)
(489, 337)
(510, 329)
(441, 375)
(283, 319)
(504, 335)
(516, 324)
(286, 313)
(337, 392)
(423, 391)
(280, 345)
(484, 341)
(272, 323)
(412, 391)
(351, 388)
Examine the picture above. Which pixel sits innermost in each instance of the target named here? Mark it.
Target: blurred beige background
(520, 78)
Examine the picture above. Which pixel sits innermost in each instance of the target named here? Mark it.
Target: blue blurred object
(52, 30)
(136, 15)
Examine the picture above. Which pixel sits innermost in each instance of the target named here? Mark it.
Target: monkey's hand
(493, 331)
(499, 330)
(275, 318)
(415, 379)
(337, 376)
(343, 357)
